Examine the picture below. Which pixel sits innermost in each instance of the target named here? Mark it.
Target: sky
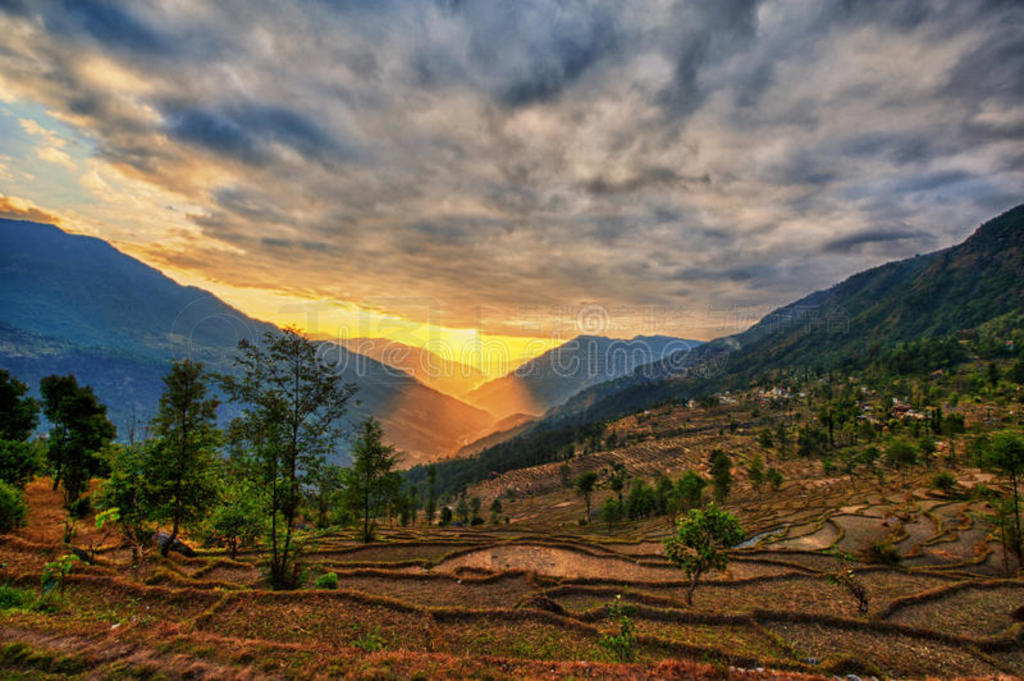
(513, 173)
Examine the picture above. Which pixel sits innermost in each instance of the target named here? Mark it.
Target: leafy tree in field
(611, 512)
(80, 430)
(1005, 453)
(20, 461)
(756, 473)
(900, 452)
(293, 407)
(371, 483)
(446, 516)
(701, 542)
(325, 485)
(690, 490)
(495, 510)
(474, 508)
(186, 437)
(462, 509)
(617, 479)
(585, 483)
(19, 415)
(642, 501)
(126, 494)
(664, 494)
(236, 520)
(12, 507)
(431, 507)
(721, 474)
(774, 478)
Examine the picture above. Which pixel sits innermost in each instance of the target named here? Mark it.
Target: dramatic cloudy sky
(686, 165)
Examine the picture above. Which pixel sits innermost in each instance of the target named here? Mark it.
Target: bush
(328, 580)
(12, 507)
(882, 553)
(80, 507)
(12, 597)
(944, 481)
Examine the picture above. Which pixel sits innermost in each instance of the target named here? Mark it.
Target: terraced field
(502, 602)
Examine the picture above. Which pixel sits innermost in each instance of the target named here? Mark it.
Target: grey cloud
(854, 242)
(546, 151)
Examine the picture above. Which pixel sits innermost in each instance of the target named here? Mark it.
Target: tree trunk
(693, 587)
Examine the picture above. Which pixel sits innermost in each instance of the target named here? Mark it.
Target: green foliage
(495, 511)
(20, 461)
(774, 478)
(19, 414)
(54, 576)
(611, 512)
(900, 452)
(765, 439)
(756, 472)
(882, 553)
(328, 580)
(642, 501)
(621, 645)
(944, 481)
(12, 507)
(690, 491)
(236, 520)
(179, 471)
(370, 641)
(617, 477)
(371, 484)
(585, 483)
(446, 516)
(721, 474)
(701, 542)
(80, 430)
(12, 598)
(294, 403)
(126, 493)
(1005, 453)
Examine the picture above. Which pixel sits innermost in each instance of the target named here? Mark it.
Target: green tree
(585, 483)
(19, 415)
(20, 461)
(690, 490)
(126, 494)
(324, 487)
(1005, 454)
(371, 483)
(611, 512)
(431, 493)
(474, 508)
(186, 438)
(80, 430)
(721, 474)
(701, 542)
(756, 472)
(462, 509)
(12, 507)
(235, 521)
(900, 452)
(774, 478)
(617, 479)
(293, 407)
(495, 510)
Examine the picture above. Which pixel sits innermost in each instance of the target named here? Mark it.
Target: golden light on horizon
(492, 354)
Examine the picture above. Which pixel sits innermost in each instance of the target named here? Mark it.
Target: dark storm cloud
(855, 242)
(737, 152)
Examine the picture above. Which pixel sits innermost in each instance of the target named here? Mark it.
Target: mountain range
(550, 379)
(975, 283)
(75, 304)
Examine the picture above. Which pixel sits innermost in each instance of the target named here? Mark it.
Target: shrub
(944, 481)
(13, 597)
(901, 453)
(623, 644)
(882, 553)
(80, 507)
(328, 580)
(12, 507)
(370, 642)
